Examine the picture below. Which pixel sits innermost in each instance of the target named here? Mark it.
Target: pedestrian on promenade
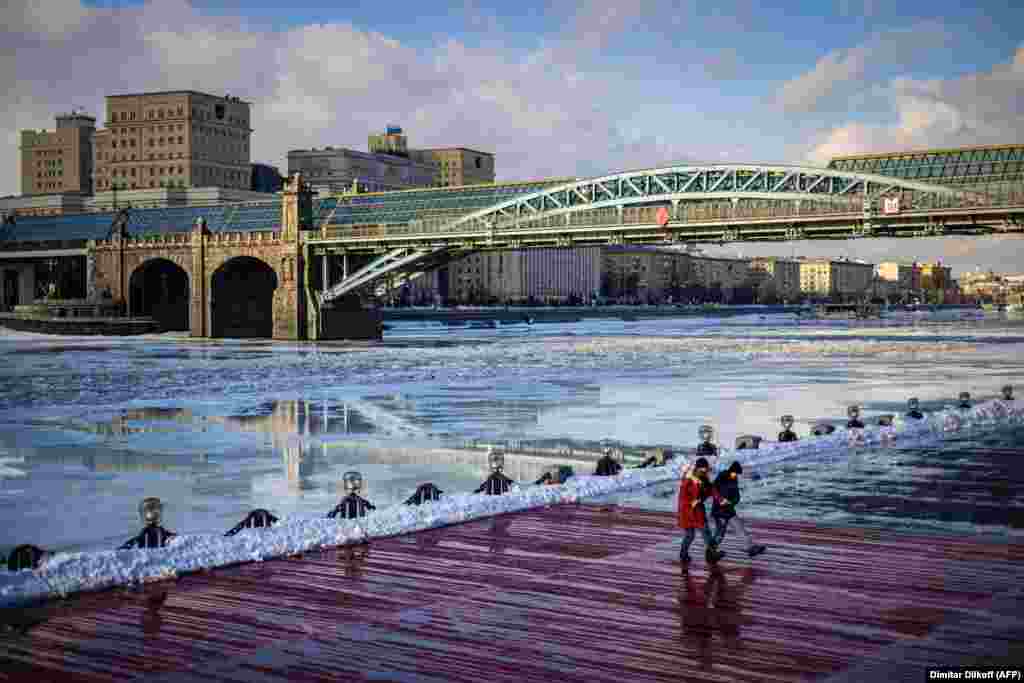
(726, 493)
(693, 490)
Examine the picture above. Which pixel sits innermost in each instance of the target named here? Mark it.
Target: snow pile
(66, 573)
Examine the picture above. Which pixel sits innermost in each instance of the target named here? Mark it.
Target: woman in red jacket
(693, 489)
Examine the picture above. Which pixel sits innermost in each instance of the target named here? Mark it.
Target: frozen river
(89, 426)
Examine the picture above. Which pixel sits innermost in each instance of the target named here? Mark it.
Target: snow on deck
(68, 573)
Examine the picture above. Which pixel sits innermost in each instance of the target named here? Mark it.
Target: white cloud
(981, 108)
(845, 71)
(545, 113)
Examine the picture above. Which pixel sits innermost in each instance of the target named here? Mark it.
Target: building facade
(59, 160)
(579, 275)
(838, 279)
(456, 166)
(339, 170)
(266, 178)
(173, 139)
(391, 141)
(905, 276)
(776, 279)
(44, 204)
(935, 276)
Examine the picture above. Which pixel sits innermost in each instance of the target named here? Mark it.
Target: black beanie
(701, 462)
(736, 467)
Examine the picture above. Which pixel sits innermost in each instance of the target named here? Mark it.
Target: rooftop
(452, 149)
(879, 155)
(179, 92)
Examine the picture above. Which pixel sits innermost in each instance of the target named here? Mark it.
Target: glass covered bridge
(699, 203)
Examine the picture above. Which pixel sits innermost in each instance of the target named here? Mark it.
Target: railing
(697, 212)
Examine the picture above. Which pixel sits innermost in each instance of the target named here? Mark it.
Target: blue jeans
(690, 534)
(722, 526)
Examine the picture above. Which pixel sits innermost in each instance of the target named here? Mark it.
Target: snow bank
(67, 573)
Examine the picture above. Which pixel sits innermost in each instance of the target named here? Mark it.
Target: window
(181, 140)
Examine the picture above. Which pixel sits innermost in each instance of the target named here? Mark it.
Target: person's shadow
(714, 606)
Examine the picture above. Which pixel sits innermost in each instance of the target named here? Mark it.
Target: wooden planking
(564, 593)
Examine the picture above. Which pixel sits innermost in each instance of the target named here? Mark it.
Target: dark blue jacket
(728, 488)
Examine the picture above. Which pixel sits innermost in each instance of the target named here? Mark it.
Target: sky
(573, 88)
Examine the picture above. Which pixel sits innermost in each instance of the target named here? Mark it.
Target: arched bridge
(699, 203)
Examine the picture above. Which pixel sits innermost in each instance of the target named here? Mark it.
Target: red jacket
(690, 517)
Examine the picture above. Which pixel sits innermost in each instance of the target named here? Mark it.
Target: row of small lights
(151, 509)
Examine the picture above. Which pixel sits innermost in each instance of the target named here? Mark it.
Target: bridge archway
(159, 288)
(242, 299)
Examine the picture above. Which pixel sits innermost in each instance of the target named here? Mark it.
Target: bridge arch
(242, 298)
(160, 288)
(683, 184)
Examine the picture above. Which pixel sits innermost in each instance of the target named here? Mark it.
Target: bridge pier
(341, 322)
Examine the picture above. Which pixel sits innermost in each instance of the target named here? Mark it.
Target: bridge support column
(290, 322)
(90, 272)
(349, 322)
(200, 297)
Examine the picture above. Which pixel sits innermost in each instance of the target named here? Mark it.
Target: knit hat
(701, 462)
(736, 467)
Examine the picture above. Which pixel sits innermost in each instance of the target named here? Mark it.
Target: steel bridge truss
(593, 211)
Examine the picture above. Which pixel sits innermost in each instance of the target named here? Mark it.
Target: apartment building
(173, 139)
(60, 160)
(843, 278)
(456, 166)
(776, 277)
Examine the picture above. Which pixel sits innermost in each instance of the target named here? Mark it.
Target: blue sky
(567, 88)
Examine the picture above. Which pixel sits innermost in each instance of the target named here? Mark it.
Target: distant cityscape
(183, 148)
(663, 275)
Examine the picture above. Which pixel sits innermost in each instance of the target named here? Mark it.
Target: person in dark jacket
(787, 434)
(854, 421)
(913, 411)
(726, 497)
(693, 491)
(965, 401)
(1008, 392)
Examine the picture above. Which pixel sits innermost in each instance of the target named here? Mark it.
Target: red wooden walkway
(570, 593)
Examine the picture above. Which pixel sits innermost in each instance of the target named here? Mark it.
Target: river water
(89, 426)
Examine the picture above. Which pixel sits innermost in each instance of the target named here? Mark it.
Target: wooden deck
(569, 593)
